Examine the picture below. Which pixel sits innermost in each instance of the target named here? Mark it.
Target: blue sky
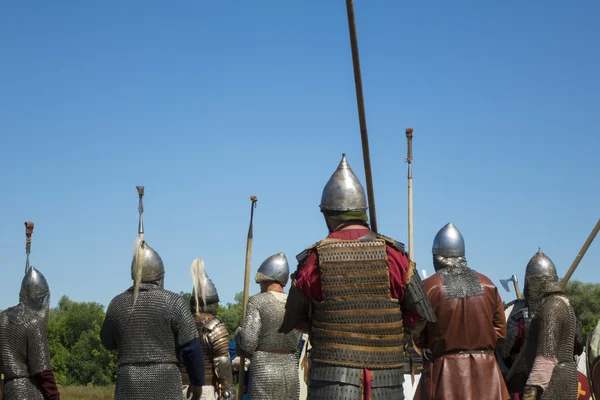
(207, 103)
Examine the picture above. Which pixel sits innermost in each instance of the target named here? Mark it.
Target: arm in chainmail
(37, 349)
(107, 330)
(416, 300)
(247, 339)
(579, 340)
(548, 342)
(183, 323)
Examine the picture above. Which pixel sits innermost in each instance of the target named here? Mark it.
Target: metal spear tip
(409, 132)
(253, 199)
(28, 227)
(140, 190)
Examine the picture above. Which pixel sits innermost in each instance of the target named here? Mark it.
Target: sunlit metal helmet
(35, 292)
(343, 192)
(448, 242)
(274, 268)
(207, 291)
(540, 265)
(151, 263)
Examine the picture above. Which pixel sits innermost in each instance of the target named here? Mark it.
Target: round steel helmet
(35, 292)
(540, 265)
(343, 192)
(449, 242)
(151, 264)
(274, 268)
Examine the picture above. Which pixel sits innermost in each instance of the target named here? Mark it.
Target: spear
(28, 232)
(253, 200)
(409, 137)
(580, 255)
(361, 113)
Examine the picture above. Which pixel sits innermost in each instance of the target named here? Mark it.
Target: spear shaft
(580, 255)
(253, 199)
(409, 137)
(361, 113)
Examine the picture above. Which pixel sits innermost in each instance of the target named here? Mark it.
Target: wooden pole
(580, 255)
(253, 199)
(362, 118)
(411, 249)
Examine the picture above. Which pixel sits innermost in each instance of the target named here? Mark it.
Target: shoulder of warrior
(399, 246)
(301, 257)
(212, 324)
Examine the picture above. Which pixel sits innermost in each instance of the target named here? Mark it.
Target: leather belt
(462, 352)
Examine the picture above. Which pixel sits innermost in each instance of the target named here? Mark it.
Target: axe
(515, 282)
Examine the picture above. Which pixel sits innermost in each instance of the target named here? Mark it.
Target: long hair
(197, 272)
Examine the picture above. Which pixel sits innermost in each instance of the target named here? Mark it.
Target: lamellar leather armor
(147, 336)
(358, 324)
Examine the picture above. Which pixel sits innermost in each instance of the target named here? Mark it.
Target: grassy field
(86, 393)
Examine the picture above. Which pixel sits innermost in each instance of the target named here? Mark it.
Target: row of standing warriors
(361, 301)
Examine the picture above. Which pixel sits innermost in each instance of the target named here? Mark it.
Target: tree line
(78, 357)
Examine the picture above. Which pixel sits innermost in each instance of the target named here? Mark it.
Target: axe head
(505, 283)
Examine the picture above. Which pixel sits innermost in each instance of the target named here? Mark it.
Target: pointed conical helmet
(540, 265)
(203, 286)
(448, 242)
(35, 292)
(274, 268)
(343, 192)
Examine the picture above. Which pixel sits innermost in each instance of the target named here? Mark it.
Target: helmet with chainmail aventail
(146, 265)
(274, 269)
(540, 277)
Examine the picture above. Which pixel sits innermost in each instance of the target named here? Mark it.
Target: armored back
(358, 324)
(272, 311)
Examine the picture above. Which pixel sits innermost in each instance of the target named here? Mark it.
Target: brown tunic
(469, 324)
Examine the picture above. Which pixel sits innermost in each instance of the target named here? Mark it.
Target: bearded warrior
(149, 326)
(553, 335)
(24, 355)
(213, 335)
(275, 356)
(359, 294)
(470, 321)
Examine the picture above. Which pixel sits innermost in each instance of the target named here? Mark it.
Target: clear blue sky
(207, 103)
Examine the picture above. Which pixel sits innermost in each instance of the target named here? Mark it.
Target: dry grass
(86, 393)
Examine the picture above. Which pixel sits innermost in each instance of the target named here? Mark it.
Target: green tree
(585, 299)
(78, 357)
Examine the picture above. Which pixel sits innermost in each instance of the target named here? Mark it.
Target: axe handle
(517, 290)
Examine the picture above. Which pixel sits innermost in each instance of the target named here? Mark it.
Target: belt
(435, 356)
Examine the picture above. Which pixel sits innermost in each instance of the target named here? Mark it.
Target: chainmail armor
(274, 367)
(459, 280)
(552, 334)
(148, 338)
(23, 352)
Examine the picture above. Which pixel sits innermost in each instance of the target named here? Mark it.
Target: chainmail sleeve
(183, 322)
(416, 299)
(37, 348)
(247, 339)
